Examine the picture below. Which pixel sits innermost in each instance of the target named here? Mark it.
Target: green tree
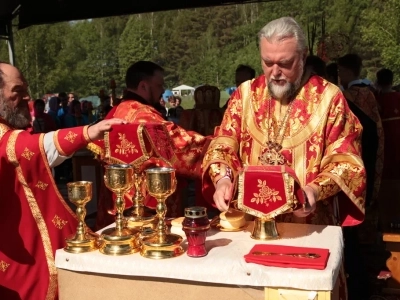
(136, 41)
(196, 46)
(381, 26)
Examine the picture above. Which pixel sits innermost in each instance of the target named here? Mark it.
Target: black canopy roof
(34, 12)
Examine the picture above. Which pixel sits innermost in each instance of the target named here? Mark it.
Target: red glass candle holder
(195, 225)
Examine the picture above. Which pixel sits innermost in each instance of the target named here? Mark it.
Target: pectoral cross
(272, 155)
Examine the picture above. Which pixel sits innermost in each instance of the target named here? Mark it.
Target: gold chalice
(161, 183)
(80, 193)
(119, 240)
(137, 218)
(264, 229)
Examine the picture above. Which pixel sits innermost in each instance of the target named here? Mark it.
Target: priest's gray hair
(284, 28)
(1, 77)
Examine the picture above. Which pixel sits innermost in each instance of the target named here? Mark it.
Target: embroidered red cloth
(127, 144)
(268, 191)
(142, 145)
(285, 261)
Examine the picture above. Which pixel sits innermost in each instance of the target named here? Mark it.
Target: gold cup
(264, 229)
(80, 193)
(161, 183)
(119, 240)
(137, 218)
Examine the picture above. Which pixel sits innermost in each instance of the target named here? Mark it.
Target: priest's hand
(223, 193)
(311, 202)
(96, 131)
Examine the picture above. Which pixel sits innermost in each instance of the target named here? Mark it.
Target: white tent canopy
(183, 90)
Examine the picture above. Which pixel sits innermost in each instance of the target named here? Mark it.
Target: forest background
(199, 46)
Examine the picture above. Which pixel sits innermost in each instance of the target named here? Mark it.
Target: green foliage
(198, 46)
(188, 101)
(383, 31)
(136, 42)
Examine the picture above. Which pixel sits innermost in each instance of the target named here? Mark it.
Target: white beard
(280, 91)
(288, 89)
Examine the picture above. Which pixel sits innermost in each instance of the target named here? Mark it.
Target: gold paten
(80, 193)
(161, 183)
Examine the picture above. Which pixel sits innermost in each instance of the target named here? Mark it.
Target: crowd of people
(170, 107)
(60, 111)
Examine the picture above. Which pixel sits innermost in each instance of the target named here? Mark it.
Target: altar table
(222, 274)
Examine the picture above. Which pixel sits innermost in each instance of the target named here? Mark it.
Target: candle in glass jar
(195, 225)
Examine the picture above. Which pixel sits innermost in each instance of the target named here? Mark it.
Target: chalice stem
(80, 231)
(120, 205)
(161, 210)
(138, 209)
(138, 204)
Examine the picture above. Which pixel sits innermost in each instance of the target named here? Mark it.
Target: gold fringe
(241, 188)
(95, 149)
(107, 145)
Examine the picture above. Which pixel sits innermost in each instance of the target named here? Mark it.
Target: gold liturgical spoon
(301, 255)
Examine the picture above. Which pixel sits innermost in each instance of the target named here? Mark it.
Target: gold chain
(272, 155)
(281, 129)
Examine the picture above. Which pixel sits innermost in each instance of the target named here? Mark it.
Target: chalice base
(264, 229)
(119, 243)
(81, 246)
(146, 232)
(171, 247)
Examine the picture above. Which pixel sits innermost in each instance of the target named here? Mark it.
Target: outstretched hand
(223, 193)
(96, 131)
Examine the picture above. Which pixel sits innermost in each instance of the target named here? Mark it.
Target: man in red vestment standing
(288, 116)
(145, 85)
(34, 218)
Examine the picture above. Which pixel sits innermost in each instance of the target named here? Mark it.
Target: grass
(188, 101)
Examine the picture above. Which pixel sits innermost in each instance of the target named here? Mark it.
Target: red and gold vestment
(321, 143)
(34, 218)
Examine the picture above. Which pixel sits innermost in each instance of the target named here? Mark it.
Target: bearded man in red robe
(145, 85)
(34, 217)
(289, 117)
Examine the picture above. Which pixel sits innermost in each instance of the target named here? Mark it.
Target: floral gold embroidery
(272, 157)
(326, 187)
(266, 194)
(70, 137)
(215, 170)
(41, 185)
(36, 213)
(27, 154)
(3, 129)
(3, 265)
(125, 147)
(58, 222)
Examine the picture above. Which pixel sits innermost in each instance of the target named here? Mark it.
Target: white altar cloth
(224, 263)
